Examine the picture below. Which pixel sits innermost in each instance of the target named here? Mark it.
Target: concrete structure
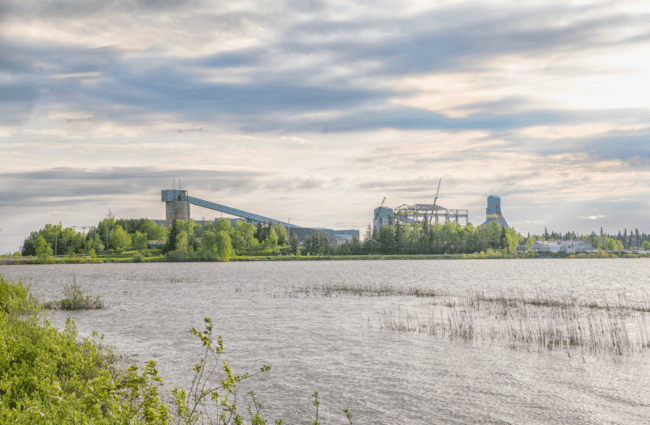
(177, 205)
(383, 216)
(493, 212)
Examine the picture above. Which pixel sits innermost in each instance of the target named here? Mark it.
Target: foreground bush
(50, 377)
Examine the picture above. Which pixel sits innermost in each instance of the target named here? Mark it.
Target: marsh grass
(172, 279)
(335, 289)
(602, 324)
(542, 323)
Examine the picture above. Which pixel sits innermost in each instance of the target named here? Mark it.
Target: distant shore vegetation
(124, 240)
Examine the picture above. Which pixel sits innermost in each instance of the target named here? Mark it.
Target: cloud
(32, 187)
(326, 105)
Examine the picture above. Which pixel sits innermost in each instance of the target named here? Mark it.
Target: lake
(273, 313)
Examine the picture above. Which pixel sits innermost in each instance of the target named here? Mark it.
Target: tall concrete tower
(177, 206)
(493, 212)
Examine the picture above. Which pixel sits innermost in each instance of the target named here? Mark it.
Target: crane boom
(435, 200)
(382, 202)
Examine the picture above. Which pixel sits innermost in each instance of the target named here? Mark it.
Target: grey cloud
(422, 45)
(635, 149)
(50, 184)
(81, 8)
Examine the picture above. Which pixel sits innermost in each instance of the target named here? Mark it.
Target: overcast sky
(315, 110)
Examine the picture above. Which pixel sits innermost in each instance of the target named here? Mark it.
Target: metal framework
(436, 214)
(236, 212)
(178, 207)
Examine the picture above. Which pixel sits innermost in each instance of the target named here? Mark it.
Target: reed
(364, 290)
(541, 323)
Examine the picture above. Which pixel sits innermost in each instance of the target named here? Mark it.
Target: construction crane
(434, 201)
(382, 202)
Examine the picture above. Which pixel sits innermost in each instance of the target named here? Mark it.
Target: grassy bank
(153, 257)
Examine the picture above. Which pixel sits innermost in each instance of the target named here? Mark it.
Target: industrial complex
(177, 207)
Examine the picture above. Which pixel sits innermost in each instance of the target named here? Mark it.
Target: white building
(342, 239)
(564, 247)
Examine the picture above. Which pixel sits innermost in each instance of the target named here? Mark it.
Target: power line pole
(56, 244)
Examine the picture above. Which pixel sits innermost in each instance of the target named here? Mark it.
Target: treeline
(605, 241)
(220, 241)
(186, 240)
(449, 238)
(109, 235)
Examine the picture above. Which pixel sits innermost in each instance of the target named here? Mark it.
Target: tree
(281, 231)
(223, 225)
(271, 240)
(139, 240)
(355, 247)
(610, 244)
(208, 249)
(118, 239)
(645, 245)
(295, 242)
(307, 243)
(244, 235)
(259, 231)
(387, 239)
(154, 232)
(399, 237)
(512, 240)
(170, 245)
(224, 246)
(494, 235)
(530, 242)
(43, 250)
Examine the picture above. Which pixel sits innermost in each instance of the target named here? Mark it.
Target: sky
(315, 111)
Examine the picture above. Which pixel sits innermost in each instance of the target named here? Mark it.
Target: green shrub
(15, 297)
(49, 377)
(75, 298)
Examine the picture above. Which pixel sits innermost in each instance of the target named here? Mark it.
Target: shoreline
(16, 261)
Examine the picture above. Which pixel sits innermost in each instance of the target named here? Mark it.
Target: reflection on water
(336, 344)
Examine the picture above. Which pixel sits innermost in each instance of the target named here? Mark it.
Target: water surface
(334, 344)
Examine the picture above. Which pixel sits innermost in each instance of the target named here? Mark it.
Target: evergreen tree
(259, 232)
(399, 237)
(387, 240)
(355, 247)
(170, 245)
(294, 242)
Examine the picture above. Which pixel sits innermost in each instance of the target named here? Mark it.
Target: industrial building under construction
(435, 214)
